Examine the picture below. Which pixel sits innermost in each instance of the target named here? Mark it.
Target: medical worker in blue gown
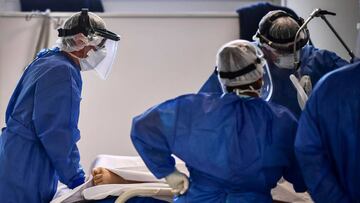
(275, 37)
(328, 139)
(236, 145)
(38, 145)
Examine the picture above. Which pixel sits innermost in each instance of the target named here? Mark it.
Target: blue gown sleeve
(323, 62)
(313, 159)
(292, 172)
(294, 176)
(152, 134)
(332, 60)
(212, 85)
(55, 117)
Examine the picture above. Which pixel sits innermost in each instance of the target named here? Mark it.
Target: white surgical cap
(235, 56)
(68, 43)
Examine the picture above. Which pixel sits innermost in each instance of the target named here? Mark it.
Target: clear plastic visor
(105, 66)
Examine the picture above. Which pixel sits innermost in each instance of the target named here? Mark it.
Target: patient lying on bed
(122, 176)
(118, 175)
(103, 176)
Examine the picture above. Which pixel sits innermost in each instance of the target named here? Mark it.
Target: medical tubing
(296, 60)
(319, 13)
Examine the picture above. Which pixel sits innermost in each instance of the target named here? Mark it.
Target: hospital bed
(157, 191)
(130, 168)
(133, 168)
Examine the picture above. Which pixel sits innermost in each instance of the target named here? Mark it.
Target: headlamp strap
(83, 26)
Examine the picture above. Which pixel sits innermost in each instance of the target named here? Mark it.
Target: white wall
(10, 5)
(344, 22)
(18, 39)
(176, 6)
(157, 6)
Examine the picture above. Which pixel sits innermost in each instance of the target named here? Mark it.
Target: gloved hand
(178, 182)
(302, 96)
(306, 84)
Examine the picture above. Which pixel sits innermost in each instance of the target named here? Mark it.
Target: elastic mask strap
(73, 55)
(241, 93)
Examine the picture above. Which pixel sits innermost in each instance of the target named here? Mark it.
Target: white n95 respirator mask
(286, 61)
(105, 42)
(100, 60)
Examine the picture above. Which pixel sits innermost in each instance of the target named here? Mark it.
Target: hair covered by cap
(284, 28)
(237, 55)
(68, 43)
(278, 29)
(95, 21)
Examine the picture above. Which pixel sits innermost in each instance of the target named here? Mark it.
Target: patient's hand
(104, 176)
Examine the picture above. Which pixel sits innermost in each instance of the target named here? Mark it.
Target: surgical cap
(68, 43)
(239, 56)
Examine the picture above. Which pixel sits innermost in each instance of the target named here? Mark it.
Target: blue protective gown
(38, 146)
(236, 149)
(314, 62)
(112, 199)
(328, 139)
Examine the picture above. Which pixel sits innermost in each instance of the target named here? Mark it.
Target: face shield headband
(285, 45)
(105, 43)
(267, 87)
(86, 29)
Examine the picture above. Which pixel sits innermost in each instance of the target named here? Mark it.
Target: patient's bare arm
(104, 176)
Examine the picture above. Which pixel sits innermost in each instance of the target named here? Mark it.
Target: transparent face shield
(104, 67)
(249, 74)
(103, 44)
(267, 88)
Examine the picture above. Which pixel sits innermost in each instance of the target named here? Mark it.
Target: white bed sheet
(133, 168)
(128, 167)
